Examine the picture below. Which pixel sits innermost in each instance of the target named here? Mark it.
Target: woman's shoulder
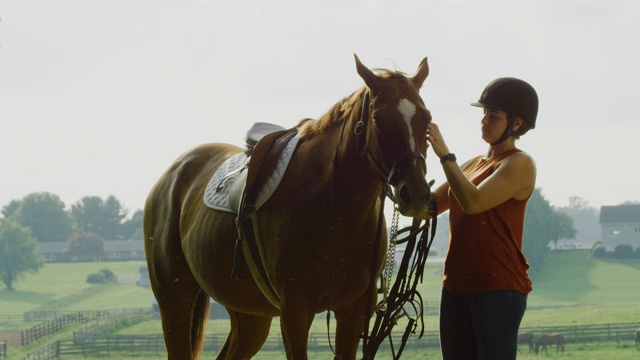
(520, 156)
(521, 163)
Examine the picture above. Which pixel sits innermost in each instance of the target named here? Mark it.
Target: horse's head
(394, 120)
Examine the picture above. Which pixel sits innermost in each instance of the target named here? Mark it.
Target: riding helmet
(512, 96)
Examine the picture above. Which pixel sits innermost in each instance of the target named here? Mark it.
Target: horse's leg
(295, 319)
(248, 334)
(184, 315)
(349, 327)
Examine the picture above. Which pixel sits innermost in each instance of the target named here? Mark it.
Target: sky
(97, 98)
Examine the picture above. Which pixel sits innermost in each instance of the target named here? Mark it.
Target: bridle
(374, 164)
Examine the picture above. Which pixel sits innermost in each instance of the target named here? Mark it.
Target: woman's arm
(514, 177)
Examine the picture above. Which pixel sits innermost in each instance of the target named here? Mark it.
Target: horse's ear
(421, 74)
(367, 75)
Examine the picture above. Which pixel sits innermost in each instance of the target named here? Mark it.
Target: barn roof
(620, 214)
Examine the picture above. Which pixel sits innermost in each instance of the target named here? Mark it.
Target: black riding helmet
(515, 97)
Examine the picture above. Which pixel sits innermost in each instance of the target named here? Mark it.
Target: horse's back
(180, 187)
(201, 161)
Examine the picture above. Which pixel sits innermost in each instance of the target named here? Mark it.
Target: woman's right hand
(434, 136)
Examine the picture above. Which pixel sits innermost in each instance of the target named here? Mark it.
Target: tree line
(42, 217)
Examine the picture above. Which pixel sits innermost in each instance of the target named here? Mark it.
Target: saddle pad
(224, 190)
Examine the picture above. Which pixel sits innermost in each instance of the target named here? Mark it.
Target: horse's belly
(211, 259)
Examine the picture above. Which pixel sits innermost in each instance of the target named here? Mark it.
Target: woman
(485, 283)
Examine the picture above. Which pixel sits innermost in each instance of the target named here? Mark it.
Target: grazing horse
(317, 231)
(526, 337)
(637, 338)
(550, 339)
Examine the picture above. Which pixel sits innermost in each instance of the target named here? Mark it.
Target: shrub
(96, 278)
(598, 251)
(108, 274)
(623, 251)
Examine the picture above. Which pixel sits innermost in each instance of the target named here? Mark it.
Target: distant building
(620, 226)
(114, 250)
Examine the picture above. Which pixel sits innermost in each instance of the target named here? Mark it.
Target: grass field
(572, 289)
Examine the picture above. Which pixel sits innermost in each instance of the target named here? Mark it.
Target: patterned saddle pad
(224, 190)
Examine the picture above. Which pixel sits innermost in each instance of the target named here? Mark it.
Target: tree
(44, 213)
(543, 224)
(18, 252)
(85, 246)
(11, 208)
(132, 228)
(115, 215)
(578, 203)
(104, 218)
(585, 219)
(564, 228)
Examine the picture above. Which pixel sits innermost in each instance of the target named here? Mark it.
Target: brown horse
(526, 337)
(550, 339)
(317, 230)
(637, 338)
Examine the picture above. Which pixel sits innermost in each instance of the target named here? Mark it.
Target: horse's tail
(199, 324)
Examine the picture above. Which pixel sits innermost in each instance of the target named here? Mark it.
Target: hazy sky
(99, 97)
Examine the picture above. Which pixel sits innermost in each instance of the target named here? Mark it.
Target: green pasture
(56, 280)
(571, 289)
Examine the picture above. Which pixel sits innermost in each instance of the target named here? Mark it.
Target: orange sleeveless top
(485, 250)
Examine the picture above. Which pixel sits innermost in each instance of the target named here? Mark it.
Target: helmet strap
(511, 119)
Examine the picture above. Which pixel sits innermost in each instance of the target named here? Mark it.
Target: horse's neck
(335, 132)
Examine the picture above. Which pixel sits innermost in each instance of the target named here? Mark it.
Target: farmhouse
(115, 250)
(620, 226)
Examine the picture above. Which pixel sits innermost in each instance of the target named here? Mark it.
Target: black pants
(481, 326)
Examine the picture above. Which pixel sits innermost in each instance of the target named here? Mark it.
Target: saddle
(264, 143)
(258, 131)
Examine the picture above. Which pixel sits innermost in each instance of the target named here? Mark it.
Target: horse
(550, 339)
(637, 338)
(526, 337)
(317, 230)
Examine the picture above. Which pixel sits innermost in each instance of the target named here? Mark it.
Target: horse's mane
(349, 104)
(334, 115)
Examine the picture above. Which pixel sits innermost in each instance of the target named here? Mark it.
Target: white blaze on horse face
(408, 109)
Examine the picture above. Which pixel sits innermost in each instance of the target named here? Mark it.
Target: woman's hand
(435, 139)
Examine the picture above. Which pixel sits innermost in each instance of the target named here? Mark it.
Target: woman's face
(493, 124)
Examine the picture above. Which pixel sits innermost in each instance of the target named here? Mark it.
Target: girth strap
(264, 159)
